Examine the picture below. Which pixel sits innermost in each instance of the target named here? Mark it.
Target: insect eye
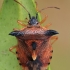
(29, 22)
(36, 22)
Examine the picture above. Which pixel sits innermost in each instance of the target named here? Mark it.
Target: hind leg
(12, 48)
(54, 38)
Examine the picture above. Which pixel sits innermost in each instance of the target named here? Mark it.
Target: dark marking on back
(50, 57)
(34, 45)
(16, 52)
(20, 64)
(51, 51)
(17, 58)
(49, 63)
(34, 65)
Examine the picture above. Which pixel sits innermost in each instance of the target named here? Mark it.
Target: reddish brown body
(34, 46)
(43, 49)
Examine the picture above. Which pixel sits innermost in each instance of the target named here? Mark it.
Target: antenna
(24, 8)
(47, 8)
(36, 15)
(21, 5)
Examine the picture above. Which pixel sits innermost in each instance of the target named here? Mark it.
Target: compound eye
(29, 22)
(36, 22)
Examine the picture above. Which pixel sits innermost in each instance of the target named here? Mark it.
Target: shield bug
(34, 47)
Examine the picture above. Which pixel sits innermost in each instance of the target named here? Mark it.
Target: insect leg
(21, 23)
(10, 49)
(54, 38)
(48, 25)
(43, 20)
(40, 12)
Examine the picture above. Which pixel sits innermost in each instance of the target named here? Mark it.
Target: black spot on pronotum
(51, 32)
(16, 33)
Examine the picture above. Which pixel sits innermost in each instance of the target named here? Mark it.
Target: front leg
(43, 20)
(21, 23)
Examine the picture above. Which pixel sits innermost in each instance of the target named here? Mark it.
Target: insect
(34, 46)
